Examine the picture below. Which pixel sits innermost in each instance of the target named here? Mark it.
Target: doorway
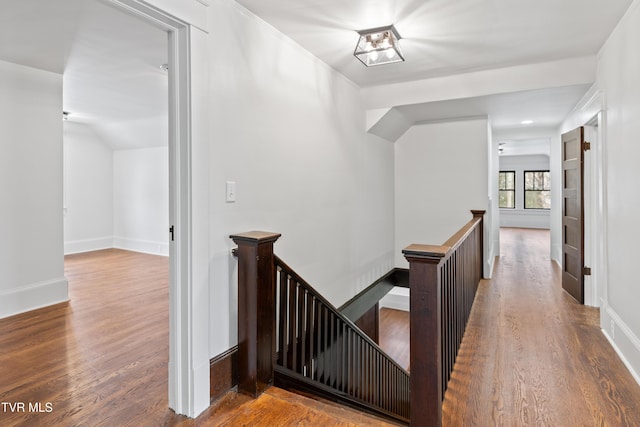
(184, 397)
(593, 269)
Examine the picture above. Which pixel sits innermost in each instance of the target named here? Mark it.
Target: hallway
(531, 355)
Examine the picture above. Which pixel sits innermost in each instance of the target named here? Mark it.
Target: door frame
(591, 113)
(188, 391)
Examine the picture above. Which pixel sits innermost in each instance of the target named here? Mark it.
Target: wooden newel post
(256, 310)
(425, 333)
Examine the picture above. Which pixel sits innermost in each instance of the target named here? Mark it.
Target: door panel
(573, 213)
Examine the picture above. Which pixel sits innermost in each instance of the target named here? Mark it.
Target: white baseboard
(622, 339)
(30, 297)
(397, 299)
(87, 245)
(556, 253)
(144, 246)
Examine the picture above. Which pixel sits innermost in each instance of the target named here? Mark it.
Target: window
(507, 189)
(537, 190)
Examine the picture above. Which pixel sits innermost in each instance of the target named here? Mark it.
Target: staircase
(292, 337)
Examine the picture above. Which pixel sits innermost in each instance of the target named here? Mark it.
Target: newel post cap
(425, 253)
(255, 237)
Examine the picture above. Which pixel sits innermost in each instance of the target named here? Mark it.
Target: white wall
(141, 200)
(618, 71)
(114, 199)
(441, 174)
(31, 246)
(290, 132)
(521, 217)
(88, 190)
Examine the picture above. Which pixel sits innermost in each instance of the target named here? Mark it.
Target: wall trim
(622, 339)
(31, 297)
(144, 246)
(87, 245)
(223, 373)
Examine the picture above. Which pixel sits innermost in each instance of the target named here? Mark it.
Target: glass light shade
(379, 46)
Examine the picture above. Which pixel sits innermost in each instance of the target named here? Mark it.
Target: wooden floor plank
(394, 335)
(533, 356)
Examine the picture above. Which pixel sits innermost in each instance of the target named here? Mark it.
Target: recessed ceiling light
(526, 122)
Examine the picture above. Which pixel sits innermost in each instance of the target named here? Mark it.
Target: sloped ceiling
(109, 60)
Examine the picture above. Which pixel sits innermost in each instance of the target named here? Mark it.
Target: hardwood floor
(101, 359)
(533, 356)
(277, 407)
(394, 335)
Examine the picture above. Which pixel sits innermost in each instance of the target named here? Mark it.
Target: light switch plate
(231, 192)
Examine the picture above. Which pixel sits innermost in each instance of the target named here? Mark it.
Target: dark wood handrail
(443, 280)
(289, 333)
(291, 336)
(448, 247)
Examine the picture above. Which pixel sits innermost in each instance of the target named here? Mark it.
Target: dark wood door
(573, 213)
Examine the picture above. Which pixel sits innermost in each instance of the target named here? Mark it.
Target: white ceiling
(112, 81)
(443, 37)
(110, 60)
(506, 110)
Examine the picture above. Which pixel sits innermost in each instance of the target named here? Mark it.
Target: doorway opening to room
(133, 62)
(524, 185)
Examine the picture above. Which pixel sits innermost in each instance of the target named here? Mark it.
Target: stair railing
(291, 336)
(323, 352)
(443, 281)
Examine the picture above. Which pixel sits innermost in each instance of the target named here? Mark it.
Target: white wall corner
(37, 295)
(374, 116)
(397, 299)
(622, 339)
(87, 245)
(391, 125)
(144, 246)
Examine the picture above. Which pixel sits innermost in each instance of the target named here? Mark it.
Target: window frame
(513, 172)
(524, 187)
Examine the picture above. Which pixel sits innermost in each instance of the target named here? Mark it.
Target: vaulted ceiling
(109, 60)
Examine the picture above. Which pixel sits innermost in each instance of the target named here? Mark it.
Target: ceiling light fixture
(526, 122)
(379, 46)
